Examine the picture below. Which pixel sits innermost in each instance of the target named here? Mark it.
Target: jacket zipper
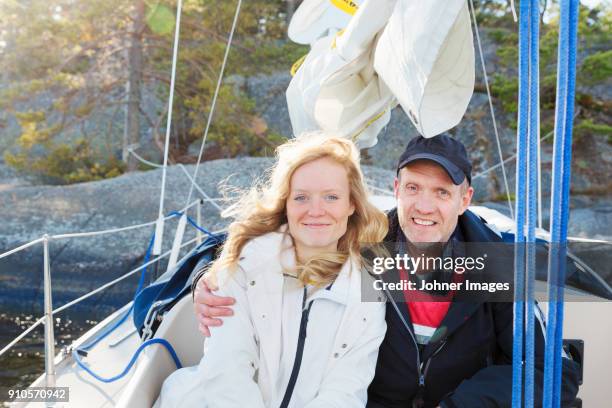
(419, 399)
(422, 381)
(299, 353)
(405, 323)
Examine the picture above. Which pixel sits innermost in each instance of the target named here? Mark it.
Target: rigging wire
(486, 80)
(508, 160)
(214, 100)
(160, 225)
(182, 167)
(513, 8)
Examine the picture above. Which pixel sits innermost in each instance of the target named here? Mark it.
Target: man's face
(428, 202)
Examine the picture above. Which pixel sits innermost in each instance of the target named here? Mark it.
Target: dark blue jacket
(470, 364)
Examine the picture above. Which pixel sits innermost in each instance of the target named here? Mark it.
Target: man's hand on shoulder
(209, 307)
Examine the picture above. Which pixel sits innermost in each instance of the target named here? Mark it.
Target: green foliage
(494, 13)
(259, 46)
(508, 54)
(67, 164)
(160, 19)
(506, 89)
(67, 68)
(587, 127)
(498, 35)
(597, 67)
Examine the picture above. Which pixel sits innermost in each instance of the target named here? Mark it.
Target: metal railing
(47, 318)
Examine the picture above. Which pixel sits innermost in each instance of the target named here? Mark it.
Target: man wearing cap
(437, 351)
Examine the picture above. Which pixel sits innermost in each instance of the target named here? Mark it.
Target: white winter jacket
(248, 360)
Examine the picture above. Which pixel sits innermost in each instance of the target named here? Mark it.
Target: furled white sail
(418, 53)
(336, 88)
(426, 56)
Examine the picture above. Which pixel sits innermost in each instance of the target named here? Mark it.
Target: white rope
(21, 248)
(486, 79)
(490, 169)
(108, 231)
(206, 196)
(509, 159)
(93, 233)
(143, 160)
(170, 102)
(214, 101)
(589, 240)
(119, 279)
(180, 165)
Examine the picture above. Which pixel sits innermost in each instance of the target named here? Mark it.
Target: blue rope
(532, 189)
(194, 224)
(556, 206)
(129, 311)
(147, 343)
(83, 349)
(564, 113)
(567, 158)
(519, 238)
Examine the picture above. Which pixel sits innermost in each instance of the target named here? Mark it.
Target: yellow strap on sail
(297, 64)
(369, 122)
(348, 6)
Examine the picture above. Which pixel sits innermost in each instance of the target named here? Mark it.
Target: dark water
(21, 306)
(21, 365)
(25, 362)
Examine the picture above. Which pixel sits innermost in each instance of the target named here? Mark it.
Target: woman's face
(318, 206)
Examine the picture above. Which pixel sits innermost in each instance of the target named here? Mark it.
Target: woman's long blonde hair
(263, 208)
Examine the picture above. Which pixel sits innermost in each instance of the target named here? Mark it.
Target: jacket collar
(340, 290)
(275, 250)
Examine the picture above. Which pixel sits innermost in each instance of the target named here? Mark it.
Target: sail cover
(336, 88)
(426, 56)
(419, 53)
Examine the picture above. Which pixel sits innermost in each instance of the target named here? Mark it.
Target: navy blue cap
(447, 152)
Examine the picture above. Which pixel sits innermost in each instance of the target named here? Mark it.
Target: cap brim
(454, 172)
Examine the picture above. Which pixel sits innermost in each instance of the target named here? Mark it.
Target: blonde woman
(301, 336)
